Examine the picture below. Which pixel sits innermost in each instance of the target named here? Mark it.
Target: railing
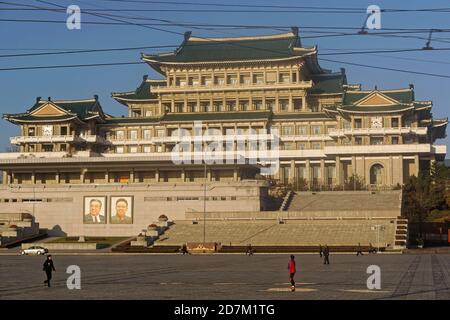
(365, 131)
(371, 149)
(60, 138)
(225, 86)
(175, 139)
(36, 139)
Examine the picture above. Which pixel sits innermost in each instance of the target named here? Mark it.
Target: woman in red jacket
(292, 270)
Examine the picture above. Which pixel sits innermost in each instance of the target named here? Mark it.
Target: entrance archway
(377, 174)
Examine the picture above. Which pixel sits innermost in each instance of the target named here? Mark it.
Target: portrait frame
(129, 216)
(103, 211)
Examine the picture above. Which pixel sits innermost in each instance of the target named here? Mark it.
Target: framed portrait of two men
(120, 210)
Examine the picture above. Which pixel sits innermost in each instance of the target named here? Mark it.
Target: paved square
(424, 276)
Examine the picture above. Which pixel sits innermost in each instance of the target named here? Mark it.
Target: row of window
(233, 79)
(147, 134)
(232, 105)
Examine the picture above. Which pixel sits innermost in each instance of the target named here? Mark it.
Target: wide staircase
(286, 233)
(346, 200)
(338, 219)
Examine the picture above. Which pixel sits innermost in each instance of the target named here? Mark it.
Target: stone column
(157, 175)
(183, 175)
(400, 162)
(308, 172)
(354, 172)
(107, 176)
(235, 174)
(5, 177)
(416, 165)
(338, 170)
(57, 177)
(132, 176)
(33, 177)
(322, 172)
(82, 173)
(292, 172)
(391, 171)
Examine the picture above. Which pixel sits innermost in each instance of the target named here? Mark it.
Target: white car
(34, 250)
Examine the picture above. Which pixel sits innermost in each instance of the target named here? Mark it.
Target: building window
(284, 77)
(301, 146)
(64, 131)
(287, 131)
(180, 82)
(232, 79)
(244, 105)
(133, 135)
(358, 141)
(31, 132)
(161, 133)
(147, 134)
(316, 145)
(147, 149)
(358, 123)
(316, 130)
(120, 135)
(394, 140)
(257, 105)
(270, 104)
(258, 78)
(289, 146)
(376, 140)
(245, 79)
(206, 81)
(193, 81)
(219, 80)
(119, 149)
(205, 106)
(63, 147)
(284, 104)
(231, 105)
(218, 106)
(148, 113)
(395, 123)
(297, 104)
(302, 130)
(133, 149)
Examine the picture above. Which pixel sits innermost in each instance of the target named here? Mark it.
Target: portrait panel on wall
(121, 210)
(94, 210)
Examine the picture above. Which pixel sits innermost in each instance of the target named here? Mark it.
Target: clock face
(47, 131)
(377, 122)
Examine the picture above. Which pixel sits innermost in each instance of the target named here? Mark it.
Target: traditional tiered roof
(60, 110)
(378, 101)
(328, 83)
(200, 51)
(141, 94)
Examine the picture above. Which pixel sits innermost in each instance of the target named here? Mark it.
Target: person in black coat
(48, 267)
(326, 254)
(359, 250)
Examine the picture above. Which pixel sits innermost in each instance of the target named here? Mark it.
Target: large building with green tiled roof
(269, 86)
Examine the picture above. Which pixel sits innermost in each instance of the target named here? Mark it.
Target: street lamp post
(204, 204)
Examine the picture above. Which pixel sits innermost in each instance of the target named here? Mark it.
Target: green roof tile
(234, 49)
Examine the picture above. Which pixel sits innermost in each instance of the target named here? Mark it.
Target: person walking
(326, 254)
(48, 267)
(249, 250)
(320, 250)
(359, 250)
(292, 270)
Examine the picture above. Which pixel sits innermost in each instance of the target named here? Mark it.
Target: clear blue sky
(19, 89)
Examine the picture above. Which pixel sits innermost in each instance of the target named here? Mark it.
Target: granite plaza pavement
(262, 276)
